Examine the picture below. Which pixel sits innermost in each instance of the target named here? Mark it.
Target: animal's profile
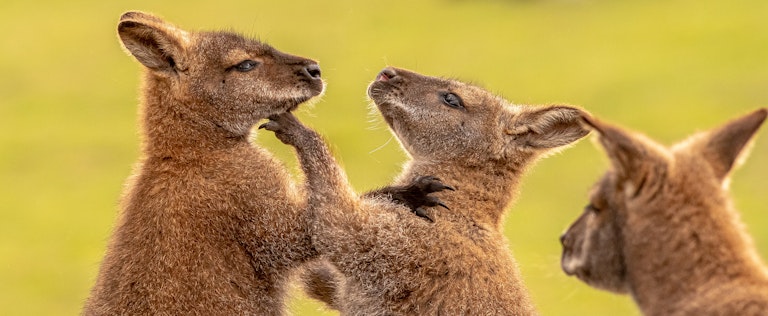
(660, 225)
(442, 262)
(209, 223)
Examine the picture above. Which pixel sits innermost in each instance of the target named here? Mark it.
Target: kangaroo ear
(154, 43)
(724, 145)
(629, 156)
(545, 127)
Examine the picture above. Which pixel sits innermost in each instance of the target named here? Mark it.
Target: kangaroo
(209, 223)
(660, 225)
(448, 262)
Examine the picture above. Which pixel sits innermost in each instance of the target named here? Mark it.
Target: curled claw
(270, 126)
(287, 128)
(432, 184)
(439, 186)
(420, 212)
(433, 201)
(273, 124)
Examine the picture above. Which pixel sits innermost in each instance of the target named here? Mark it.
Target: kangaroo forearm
(326, 182)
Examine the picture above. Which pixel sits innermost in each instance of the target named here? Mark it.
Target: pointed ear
(724, 145)
(545, 127)
(154, 43)
(627, 155)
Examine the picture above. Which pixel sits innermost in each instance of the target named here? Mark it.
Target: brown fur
(395, 263)
(210, 224)
(660, 225)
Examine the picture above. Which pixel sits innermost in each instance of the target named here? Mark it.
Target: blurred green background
(68, 104)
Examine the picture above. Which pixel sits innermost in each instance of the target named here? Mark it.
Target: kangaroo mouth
(294, 104)
(380, 90)
(314, 88)
(312, 91)
(386, 92)
(566, 267)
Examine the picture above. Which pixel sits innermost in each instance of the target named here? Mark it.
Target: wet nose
(562, 238)
(312, 71)
(386, 74)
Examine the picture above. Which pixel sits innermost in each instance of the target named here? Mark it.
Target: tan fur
(396, 263)
(660, 225)
(210, 225)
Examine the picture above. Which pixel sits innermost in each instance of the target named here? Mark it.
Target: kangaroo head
(648, 181)
(217, 78)
(448, 120)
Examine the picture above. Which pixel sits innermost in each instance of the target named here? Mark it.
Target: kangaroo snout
(386, 74)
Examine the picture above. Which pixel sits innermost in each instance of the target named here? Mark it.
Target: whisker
(374, 117)
(382, 146)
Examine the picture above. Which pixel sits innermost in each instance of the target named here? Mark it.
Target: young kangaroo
(210, 224)
(660, 225)
(447, 262)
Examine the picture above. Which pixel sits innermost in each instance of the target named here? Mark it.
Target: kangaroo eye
(591, 207)
(453, 101)
(246, 65)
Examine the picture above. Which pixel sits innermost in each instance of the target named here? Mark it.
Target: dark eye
(246, 65)
(591, 207)
(453, 101)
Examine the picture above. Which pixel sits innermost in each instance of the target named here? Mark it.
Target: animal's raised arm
(326, 182)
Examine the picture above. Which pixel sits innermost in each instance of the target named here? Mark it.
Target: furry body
(395, 263)
(209, 224)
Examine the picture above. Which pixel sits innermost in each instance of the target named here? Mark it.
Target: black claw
(420, 212)
(431, 184)
(416, 194)
(263, 126)
(429, 201)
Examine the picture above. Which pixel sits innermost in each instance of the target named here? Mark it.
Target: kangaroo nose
(562, 239)
(312, 71)
(386, 74)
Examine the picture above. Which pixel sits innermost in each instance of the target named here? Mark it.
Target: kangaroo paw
(416, 195)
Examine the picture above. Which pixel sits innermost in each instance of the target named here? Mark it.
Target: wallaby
(660, 225)
(210, 224)
(447, 262)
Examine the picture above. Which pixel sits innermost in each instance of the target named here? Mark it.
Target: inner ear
(546, 127)
(725, 145)
(154, 46)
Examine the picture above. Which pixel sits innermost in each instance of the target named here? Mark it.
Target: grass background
(68, 97)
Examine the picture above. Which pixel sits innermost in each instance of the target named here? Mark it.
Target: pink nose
(386, 74)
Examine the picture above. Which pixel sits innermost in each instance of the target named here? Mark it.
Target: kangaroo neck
(483, 191)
